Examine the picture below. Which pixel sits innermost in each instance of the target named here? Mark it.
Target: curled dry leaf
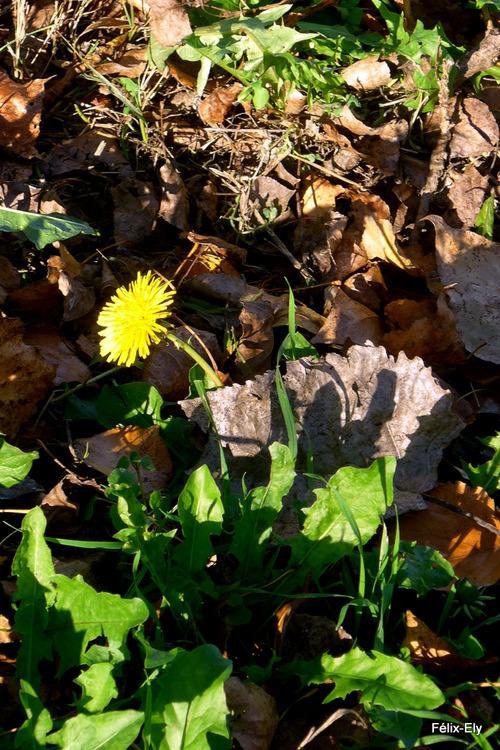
(215, 108)
(169, 22)
(254, 716)
(20, 114)
(103, 451)
(367, 74)
(473, 551)
(24, 377)
(469, 268)
(377, 235)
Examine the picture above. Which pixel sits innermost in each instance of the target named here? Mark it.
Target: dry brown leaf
(256, 342)
(135, 210)
(9, 278)
(426, 648)
(41, 298)
(469, 268)
(24, 377)
(174, 203)
(103, 451)
(352, 320)
(62, 503)
(167, 368)
(65, 271)
(84, 152)
(216, 106)
(466, 195)
(262, 192)
(473, 551)
(318, 196)
(254, 716)
(20, 114)
(476, 132)
(367, 74)
(56, 351)
(131, 64)
(169, 22)
(377, 235)
(482, 57)
(428, 330)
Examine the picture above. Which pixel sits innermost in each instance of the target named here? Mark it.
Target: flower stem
(197, 358)
(87, 382)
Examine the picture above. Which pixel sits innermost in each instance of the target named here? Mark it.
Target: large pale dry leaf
(254, 716)
(482, 57)
(476, 132)
(473, 551)
(469, 267)
(169, 22)
(318, 196)
(367, 74)
(102, 452)
(20, 114)
(56, 351)
(24, 377)
(377, 235)
(352, 409)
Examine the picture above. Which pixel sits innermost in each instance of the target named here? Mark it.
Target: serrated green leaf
(31, 735)
(14, 464)
(188, 703)
(397, 724)
(34, 570)
(98, 688)
(115, 730)
(486, 475)
(80, 615)
(383, 680)
(485, 219)
(423, 568)
(327, 534)
(259, 511)
(200, 512)
(42, 229)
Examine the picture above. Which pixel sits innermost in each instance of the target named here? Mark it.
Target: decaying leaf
(256, 343)
(174, 203)
(62, 503)
(102, 452)
(56, 351)
(367, 74)
(65, 271)
(426, 648)
(469, 268)
(9, 278)
(352, 409)
(466, 195)
(135, 210)
(378, 239)
(167, 368)
(169, 22)
(254, 716)
(24, 377)
(473, 551)
(352, 320)
(476, 132)
(20, 114)
(216, 106)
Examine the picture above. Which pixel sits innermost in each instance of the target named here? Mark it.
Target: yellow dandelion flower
(130, 320)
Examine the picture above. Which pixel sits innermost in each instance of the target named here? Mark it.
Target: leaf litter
(228, 196)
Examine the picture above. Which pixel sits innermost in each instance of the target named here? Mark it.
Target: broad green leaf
(423, 568)
(486, 475)
(486, 218)
(131, 403)
(115, 730)
(80, 615)
(327, 534)
(14, 464)
(42, 229)
(383, 680)
(98, 688)
(397, 724)
(31, 735)
(188, 703)
(200, 512)
(259, 511)
(34, 570)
